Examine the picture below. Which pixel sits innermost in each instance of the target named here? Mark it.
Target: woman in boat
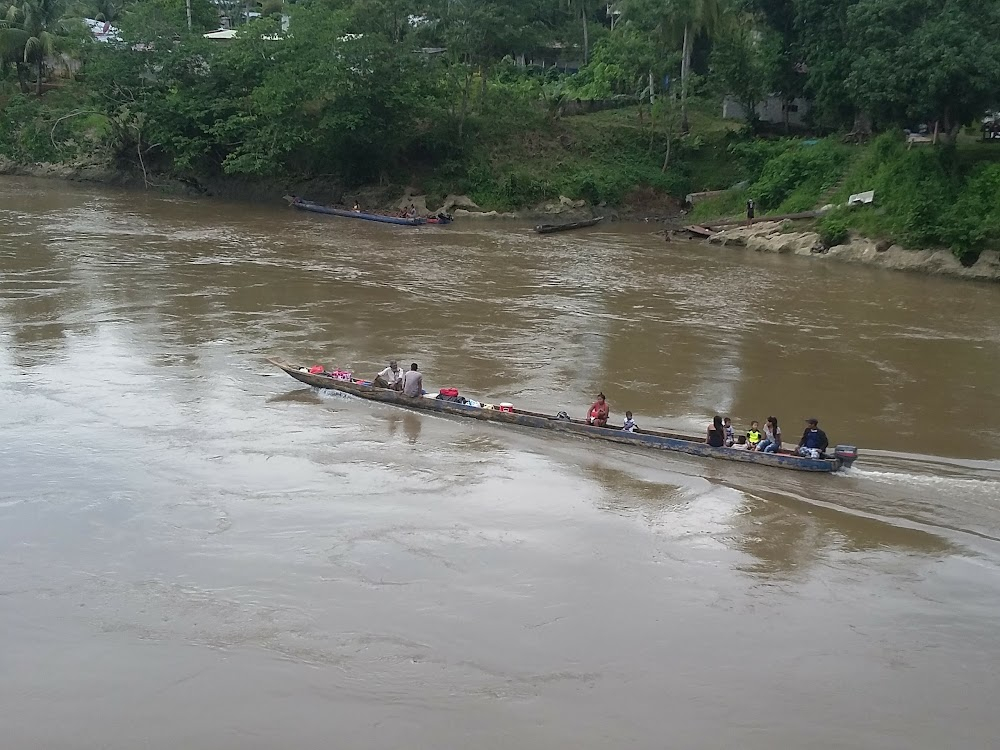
(716, 435)
(599, 412)
(772, 437)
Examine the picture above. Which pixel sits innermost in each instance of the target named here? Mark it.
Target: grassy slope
(605, 157)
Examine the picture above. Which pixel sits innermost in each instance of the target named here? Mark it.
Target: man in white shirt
(391, 377)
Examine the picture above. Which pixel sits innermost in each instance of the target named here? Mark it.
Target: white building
(771, 110)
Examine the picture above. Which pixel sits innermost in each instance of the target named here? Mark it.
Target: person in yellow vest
(753, 436)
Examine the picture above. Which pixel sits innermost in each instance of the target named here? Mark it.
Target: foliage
(794, 179)
(832, 230)
(747, 62)
(151, 20)
(921, 60)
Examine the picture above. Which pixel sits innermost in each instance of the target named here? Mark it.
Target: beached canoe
(550, 228)
(844, 455)
(317, 208)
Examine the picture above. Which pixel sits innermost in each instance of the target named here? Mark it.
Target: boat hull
(646, 439)
(551, 228)
(317, 208)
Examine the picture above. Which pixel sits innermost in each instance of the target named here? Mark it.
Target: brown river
(198, 552)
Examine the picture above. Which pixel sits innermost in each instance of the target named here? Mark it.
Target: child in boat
(753, 436)
(629, 424)
(727, 425)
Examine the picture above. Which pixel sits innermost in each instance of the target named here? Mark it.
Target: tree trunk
(465, 102)
(586, 35)
(652, 110)
(22, 77)
(38, 90)
(666, 156)
(685, 72)
(862, 124)
(484, 73)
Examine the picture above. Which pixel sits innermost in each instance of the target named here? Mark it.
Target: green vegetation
(925, 197)
(443, 95)
(832, 229)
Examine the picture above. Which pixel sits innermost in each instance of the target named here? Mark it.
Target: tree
(160, 19)
(746, 61)
(916, 61)
(789, 78)
(676, 23)
(825, 42)
(38, 22)
(12, 40)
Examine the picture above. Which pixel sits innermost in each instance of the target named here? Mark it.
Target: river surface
(198, 552)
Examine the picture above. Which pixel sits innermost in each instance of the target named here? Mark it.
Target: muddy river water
(198, 552)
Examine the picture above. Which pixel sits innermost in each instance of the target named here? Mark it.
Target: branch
(52, 133)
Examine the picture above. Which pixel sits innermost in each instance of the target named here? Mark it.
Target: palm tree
(700, 16)
(678, 23)
(38, 22)
(12, 41)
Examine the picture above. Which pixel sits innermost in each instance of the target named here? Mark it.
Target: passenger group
(720, 434)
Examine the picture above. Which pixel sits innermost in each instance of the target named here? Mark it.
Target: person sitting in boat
(772, 437)
(754, 436)
(413, 382)
(716, 433)
(814, 441)
(727, 425)
(599, 412)
(629, 424)
(391, 377)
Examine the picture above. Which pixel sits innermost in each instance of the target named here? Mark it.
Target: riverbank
(645, 205)
(777, 237)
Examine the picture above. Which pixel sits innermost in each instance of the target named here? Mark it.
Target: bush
(832, 230)
(795, 179)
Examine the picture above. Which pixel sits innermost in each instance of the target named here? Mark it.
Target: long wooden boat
(844, 456)
(550, 228)
(318, 208)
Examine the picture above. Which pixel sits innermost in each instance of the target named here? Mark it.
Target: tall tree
(746, 59)
(920, 60)
(677, 23)
(40, 24)
(824, 36)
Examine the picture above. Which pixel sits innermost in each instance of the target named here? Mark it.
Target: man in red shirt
(599, 412)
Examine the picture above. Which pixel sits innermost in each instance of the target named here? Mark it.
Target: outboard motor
(846, 453)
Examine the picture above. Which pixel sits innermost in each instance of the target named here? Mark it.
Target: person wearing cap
(814, 441)
(599, 412)
(390, 377)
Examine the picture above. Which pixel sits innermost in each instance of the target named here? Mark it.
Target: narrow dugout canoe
(317, 208)
(844, 457)
(550, 228)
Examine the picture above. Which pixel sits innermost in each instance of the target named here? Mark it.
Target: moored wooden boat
(550, 228)
(304, 205)
(845, 455)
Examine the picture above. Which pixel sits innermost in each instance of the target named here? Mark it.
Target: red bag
(449, 391)
(316, 370)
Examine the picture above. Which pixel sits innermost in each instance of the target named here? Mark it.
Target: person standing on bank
(751, 210)
(413, 382)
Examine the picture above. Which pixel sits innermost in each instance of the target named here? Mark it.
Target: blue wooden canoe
(317, 208)
(845, 455)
